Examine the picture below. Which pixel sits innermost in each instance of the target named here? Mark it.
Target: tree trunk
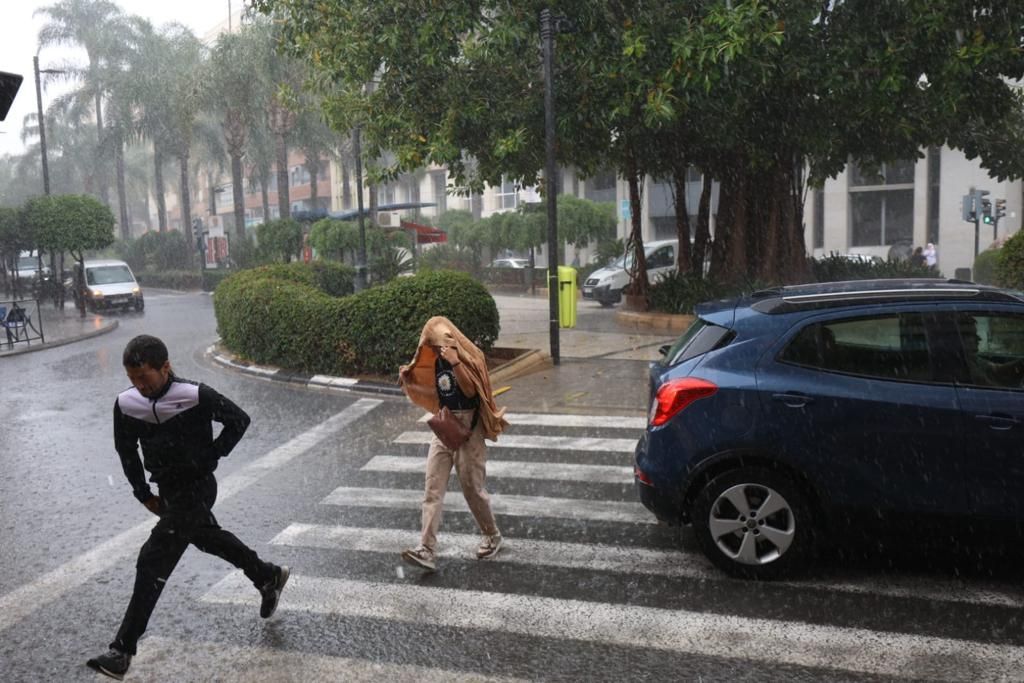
(346, 188)
(284, 205)
(638, 285)
(185, 195)
(101, 175)
(238, 194)
(122, 192)
(265, 192)
(682, 215)
(158, 182)
(703, 233)
(314, 172)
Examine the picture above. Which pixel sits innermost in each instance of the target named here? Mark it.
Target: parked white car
(605, 285)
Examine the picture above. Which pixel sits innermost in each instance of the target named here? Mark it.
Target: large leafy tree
(766, 97)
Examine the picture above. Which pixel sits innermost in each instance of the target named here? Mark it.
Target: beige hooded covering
(417, 378)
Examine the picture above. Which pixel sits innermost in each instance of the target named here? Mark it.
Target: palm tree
(95, 26)
(236, 97)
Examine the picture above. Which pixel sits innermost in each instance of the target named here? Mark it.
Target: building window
(882, 204)
(601, 187)
(818, 232)
(507, 195)
(440, 182)
(934, 175)
(387, 195)
(413, 189)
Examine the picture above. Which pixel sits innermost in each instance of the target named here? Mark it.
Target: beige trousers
(470, 463)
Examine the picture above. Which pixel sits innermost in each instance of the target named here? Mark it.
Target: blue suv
(779, 417)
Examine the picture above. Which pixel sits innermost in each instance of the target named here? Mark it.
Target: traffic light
(986, 212)
(1000, 209)
(197, 233)
(967, 207)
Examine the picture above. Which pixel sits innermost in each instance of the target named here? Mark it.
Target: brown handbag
(449, 429)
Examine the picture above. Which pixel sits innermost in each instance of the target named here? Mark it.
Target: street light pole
(42, 127)
(360, 283)
(547, 35)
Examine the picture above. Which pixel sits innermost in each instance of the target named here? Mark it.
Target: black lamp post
(42, 121)
(549, 26)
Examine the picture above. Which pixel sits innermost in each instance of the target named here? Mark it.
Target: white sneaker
(489, 547)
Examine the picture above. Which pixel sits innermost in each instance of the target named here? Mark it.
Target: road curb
(109, 327)
(275, 374)
(658, 321)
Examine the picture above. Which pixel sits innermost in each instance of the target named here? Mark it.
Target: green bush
(985, 265)
(449, 257)
(213, 277)
(275, 315)
(280, 239)
(1010, 266)
(170, 279)
(676, 292)
(157, 251)
(836, 268)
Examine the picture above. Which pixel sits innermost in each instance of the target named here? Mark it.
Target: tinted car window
(993, 349)
(661, 258)
(699, 338)
(887, 347)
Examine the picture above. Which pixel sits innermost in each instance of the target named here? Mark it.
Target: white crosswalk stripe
(167, 659)
(582, 617)
(599, 557)
(563, 420)
(717, 635)
(502, 504)
(552, 443)
(512, 469)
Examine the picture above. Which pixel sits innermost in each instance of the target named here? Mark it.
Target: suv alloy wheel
(754, 523)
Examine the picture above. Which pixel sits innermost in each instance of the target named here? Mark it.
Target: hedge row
(282, 315)
(170, 279)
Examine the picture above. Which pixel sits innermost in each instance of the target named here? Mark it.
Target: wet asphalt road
(575, 596)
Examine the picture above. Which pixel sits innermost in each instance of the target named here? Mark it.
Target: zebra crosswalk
(611, 584)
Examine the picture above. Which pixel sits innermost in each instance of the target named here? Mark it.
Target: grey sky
(19, 31)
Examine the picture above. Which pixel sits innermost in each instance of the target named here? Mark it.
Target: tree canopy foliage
(766, 97)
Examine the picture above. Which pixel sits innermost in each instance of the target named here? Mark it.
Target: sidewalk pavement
(602, 370)
(57, 328)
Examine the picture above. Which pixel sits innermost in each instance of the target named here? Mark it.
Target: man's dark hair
(145, 350)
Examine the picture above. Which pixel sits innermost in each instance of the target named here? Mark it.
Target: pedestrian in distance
(917, 258)
(448, 370)
(930, 255)
(171, 418)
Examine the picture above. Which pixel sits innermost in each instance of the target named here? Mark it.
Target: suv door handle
(794, 400)
(1001, 422)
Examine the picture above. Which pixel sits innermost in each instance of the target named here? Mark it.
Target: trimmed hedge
(985, 265)
(281, 315)
(170, 279)
(1010, 266)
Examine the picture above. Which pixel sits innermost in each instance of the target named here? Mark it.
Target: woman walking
(449, 371)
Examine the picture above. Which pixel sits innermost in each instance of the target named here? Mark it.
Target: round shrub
(1010, 266)
(281, 315)
(985, 267)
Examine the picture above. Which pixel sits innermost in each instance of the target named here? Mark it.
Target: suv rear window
(699, 338)
(887, 347)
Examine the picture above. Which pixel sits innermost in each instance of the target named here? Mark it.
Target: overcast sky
(19, 31)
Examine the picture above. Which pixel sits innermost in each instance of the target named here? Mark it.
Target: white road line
(554, 443)
(514, 469)
(713, 635)
(565, 420)
(627, 560)
(516, 506)
(26, 599)
(166, 659)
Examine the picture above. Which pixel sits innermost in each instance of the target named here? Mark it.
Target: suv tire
(734, 532)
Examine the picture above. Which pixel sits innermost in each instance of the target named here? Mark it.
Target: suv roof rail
(825, 295)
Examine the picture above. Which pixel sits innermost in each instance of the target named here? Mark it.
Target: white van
(111, 284)
(605, 285)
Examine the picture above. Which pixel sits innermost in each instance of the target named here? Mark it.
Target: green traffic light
(987, 220)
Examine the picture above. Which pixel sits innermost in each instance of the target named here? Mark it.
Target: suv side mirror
(663, 349)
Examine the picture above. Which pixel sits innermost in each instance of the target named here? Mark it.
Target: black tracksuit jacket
(175, 431)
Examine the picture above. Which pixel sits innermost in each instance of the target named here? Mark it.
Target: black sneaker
(114, 664)
(272, 593)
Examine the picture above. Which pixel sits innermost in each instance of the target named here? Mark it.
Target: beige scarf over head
(418, 377)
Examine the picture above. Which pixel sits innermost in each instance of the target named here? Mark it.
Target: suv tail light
(675, 395)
